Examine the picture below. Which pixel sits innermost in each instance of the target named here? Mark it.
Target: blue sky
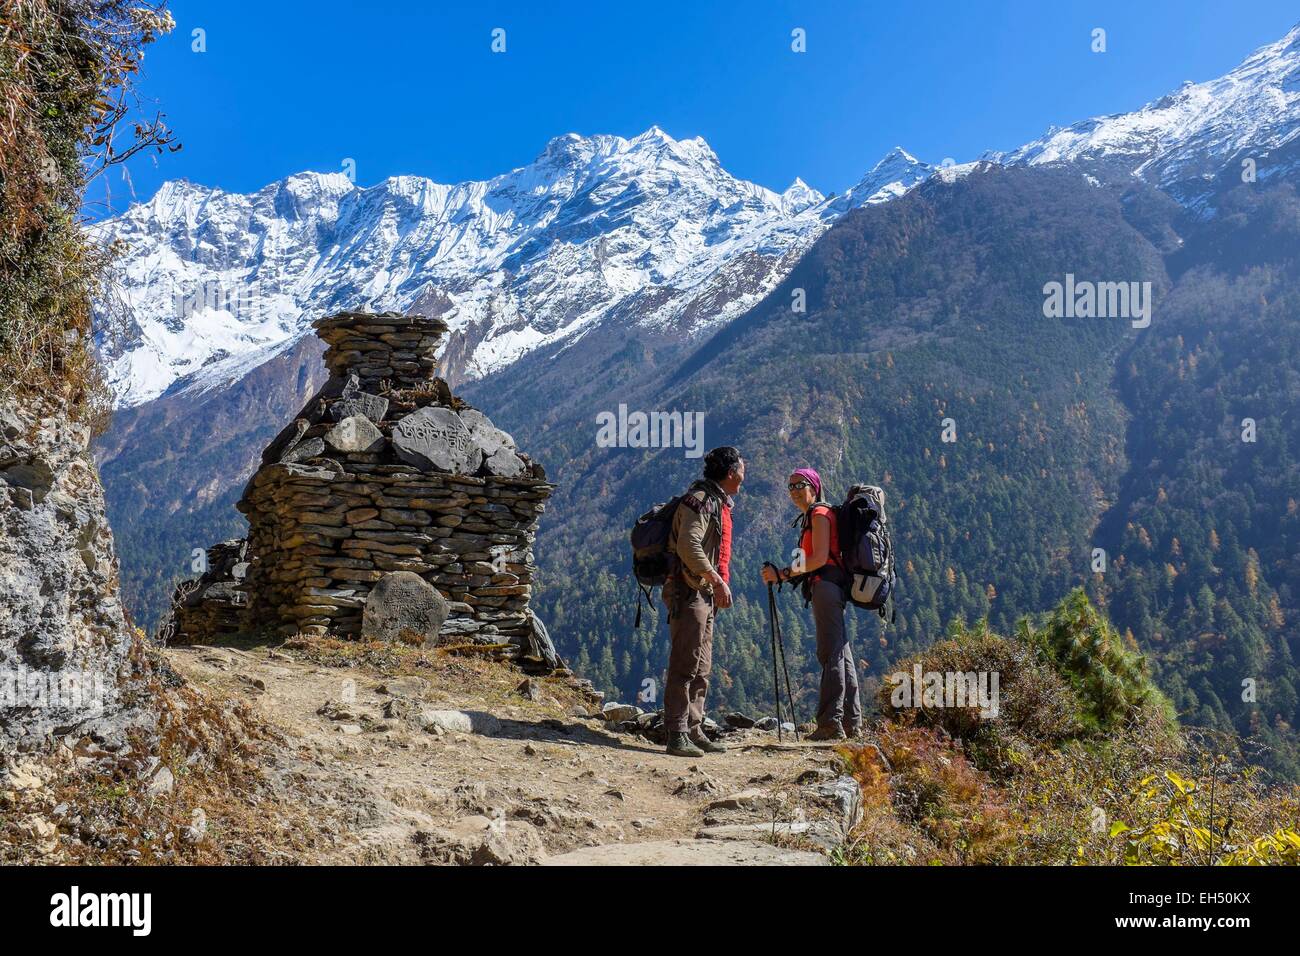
(402, 87)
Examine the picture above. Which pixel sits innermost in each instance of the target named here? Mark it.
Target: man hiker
(701, 543)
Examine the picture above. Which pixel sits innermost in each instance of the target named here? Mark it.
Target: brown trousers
(690, 627)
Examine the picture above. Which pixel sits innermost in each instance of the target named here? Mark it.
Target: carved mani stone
(402, 606)
(301, 451)
(374, 407)
(434, 438)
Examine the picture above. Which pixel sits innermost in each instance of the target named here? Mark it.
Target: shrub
(1210, 807)
(1035, 707)
(1110, 680)
(66, 72)
(933, 788)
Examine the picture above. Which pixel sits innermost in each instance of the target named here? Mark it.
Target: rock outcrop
(65, 645)
(385, 471)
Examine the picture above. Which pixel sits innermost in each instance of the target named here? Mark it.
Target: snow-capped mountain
(1183, 141)
(649, 230)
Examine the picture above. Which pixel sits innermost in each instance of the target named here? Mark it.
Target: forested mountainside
(1206, 531)
(1071, 435)
(925, 309)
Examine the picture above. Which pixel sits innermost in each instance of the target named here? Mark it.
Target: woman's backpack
(866, 552)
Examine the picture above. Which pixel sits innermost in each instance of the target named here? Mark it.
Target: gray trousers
(838, 701)
(690, 661)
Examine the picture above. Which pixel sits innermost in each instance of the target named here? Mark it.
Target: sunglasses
(797, 485)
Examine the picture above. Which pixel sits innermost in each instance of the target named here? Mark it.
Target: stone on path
(821, 832)
(620, 712)
(478, 840)
(459, 721)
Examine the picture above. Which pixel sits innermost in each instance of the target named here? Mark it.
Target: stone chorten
(384, 471)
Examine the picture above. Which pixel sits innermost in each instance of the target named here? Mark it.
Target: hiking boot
(829, 732)
(679, 745)
(852, 730)
(707, 745)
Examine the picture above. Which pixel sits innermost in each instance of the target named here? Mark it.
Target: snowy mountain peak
(650, 229)
(895, 173)
(799, 196)
(1182, 140)
(898, 155)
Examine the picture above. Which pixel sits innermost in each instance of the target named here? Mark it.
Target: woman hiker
(822, 579)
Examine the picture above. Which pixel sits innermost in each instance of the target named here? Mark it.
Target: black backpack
(652, 562)
(866, 551)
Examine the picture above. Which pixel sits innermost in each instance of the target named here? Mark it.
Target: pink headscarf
(811, 476)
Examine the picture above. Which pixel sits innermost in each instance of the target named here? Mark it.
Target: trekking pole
(776, 685)
(778, 640)
(778, 648)
(789, 695)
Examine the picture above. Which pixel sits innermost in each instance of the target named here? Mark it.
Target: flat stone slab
(821, 832)
(687, 853)
(460, 721)
(356, 433)
(745, 800)
(434, 438)
(374, 407)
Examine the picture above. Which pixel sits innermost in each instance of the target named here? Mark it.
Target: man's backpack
(866, 552)
(652, 562)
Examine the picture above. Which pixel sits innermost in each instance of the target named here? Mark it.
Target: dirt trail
(365, 745)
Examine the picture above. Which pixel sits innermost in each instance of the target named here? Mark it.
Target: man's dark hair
(721, 462)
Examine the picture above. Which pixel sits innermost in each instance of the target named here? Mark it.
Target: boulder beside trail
(459, 722)
(402, 606)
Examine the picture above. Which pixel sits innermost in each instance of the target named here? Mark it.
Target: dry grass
(448, 667)
(1125, 798)
(222, 809)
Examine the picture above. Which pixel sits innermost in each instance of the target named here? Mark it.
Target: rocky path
(426, 757)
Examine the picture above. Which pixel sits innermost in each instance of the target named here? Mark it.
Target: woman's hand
(770, 574)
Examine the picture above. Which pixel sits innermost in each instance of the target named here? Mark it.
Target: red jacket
(724, 548)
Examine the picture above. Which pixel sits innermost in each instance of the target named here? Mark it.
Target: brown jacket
(696, 537)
